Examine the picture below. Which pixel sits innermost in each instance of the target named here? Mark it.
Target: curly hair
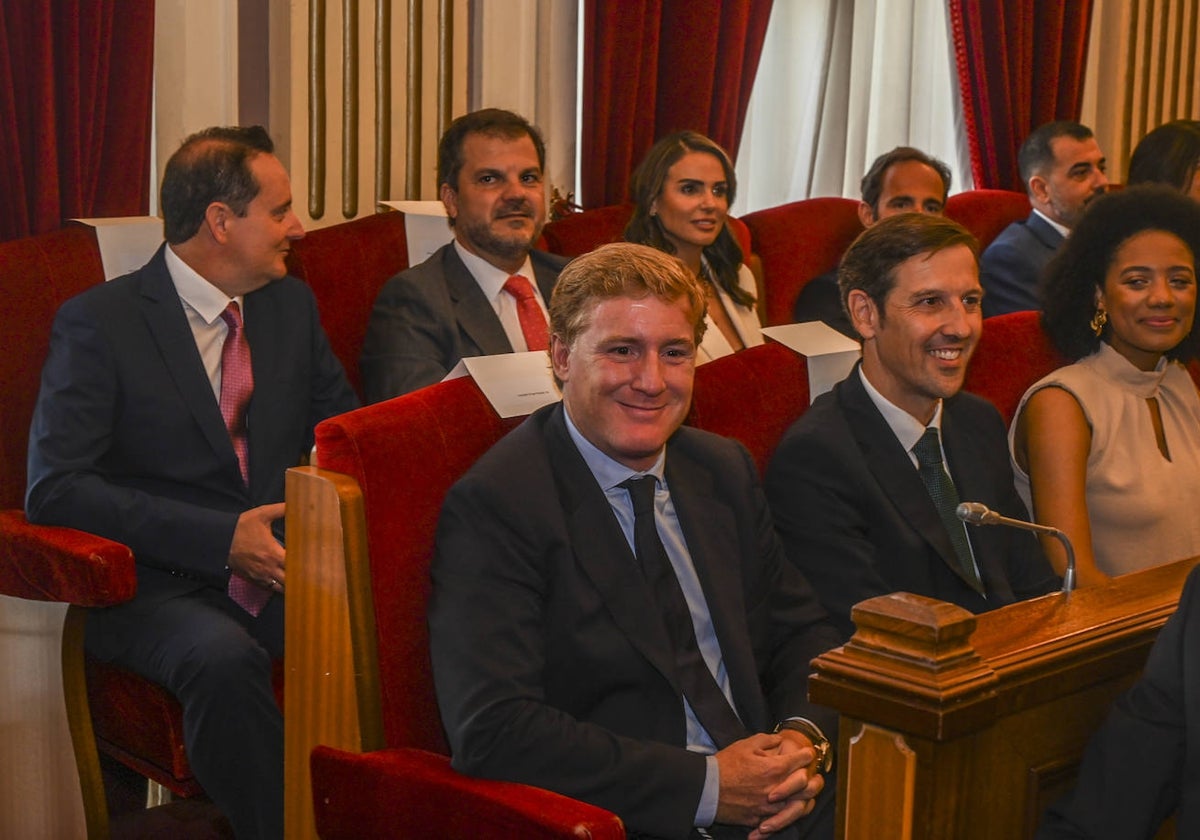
(725, 254)
(1071, 280)
(1170, 154)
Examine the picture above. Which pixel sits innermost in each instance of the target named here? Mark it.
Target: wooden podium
(955, 725)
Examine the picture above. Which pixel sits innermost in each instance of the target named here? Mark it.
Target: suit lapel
(1044, 232)
(973, 485)
(710, 530)
(603, 553)
(543, 275)
(269, 344)
(472, 309)
(893, 469)
(168, 324)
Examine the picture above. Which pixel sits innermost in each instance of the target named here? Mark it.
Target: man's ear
(560, 355)
(1039, 192)
(864, 315)
(449, 200)
(217, 217)
(866, 214)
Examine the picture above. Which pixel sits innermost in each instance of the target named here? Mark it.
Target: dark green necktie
(945, 498)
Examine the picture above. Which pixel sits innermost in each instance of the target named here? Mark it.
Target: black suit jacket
(127, 439)
(821, 300)
(550, 663)
(432, 315)
(1011, 267)
(856, 518)
(1144, 762)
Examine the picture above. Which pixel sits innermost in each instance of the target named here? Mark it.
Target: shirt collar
(904, 426)
(1065, 231)
(608, 472)
(491, 279)
(202, 296)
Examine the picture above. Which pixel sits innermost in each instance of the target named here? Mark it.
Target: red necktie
(533, 322)
(237, 384)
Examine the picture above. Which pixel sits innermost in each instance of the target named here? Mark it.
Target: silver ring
(274, 583)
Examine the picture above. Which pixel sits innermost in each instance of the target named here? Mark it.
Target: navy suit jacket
(1144, 762)
(432, 315)
(1011, 267)
(550, 663)
(856, 518)
(127, 439)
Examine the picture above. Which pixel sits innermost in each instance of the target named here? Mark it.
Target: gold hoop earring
(1098, 321)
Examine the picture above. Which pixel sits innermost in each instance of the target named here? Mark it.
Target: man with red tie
(485, 293)
(172, 402)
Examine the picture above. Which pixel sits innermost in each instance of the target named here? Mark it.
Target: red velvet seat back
(752, 396)
(37, 274)
(405, 454)
(797, 242)
(1013, 353)
(346, 265)
(987, 212)
(578, 233)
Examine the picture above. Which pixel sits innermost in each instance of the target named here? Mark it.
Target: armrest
(401, 793)
(47, 563)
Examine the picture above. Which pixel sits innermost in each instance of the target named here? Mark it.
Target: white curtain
(841, 82)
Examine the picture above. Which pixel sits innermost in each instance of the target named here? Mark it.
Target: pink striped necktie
(237, 384)
(533, 322)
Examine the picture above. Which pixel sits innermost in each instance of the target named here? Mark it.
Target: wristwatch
(812, 732)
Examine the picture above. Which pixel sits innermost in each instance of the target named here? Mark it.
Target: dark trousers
(216, 660)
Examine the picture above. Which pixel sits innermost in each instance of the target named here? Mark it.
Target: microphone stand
(977, 513)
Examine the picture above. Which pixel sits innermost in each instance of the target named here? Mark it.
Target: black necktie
(699, 687)
(945, 498)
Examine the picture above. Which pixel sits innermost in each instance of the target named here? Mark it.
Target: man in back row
(484, 293)
(173, 400)
(863, 487)
(612, 616)
(904, 180)
(1063, 170)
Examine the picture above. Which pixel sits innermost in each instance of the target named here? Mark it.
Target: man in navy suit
(457, 303)
(1063, 169)
(848, 484)
(130, 440)
(648, 657)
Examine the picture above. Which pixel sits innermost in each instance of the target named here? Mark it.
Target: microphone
(977, 513)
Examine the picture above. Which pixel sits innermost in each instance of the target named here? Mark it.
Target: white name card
(831, 355)
(425, 227)
(515, 384)
(126, 242)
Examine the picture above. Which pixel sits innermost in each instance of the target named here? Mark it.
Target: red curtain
(75, 99)
(656, 66)
(1020, 64)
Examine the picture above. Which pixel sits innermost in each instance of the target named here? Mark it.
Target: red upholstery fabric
(408, 793)
(61, 564)
(346, 265)
(752, 396)
(405, 453)
(987, 212)
(578, 233)
(1013, 353)
(797, 242)
(37, 274)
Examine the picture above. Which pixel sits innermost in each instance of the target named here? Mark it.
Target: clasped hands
(255, 554)
(768, 782)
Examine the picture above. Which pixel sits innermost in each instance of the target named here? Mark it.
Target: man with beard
(484, 293)
(1063, 169)
(863, 487)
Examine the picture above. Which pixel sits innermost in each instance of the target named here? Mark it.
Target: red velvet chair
(797, 242)
(1013, 353)
(987, 212)
(134, 720)
(578, 233)
(346, 265)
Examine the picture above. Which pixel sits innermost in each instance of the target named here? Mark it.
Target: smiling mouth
(946, 354)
